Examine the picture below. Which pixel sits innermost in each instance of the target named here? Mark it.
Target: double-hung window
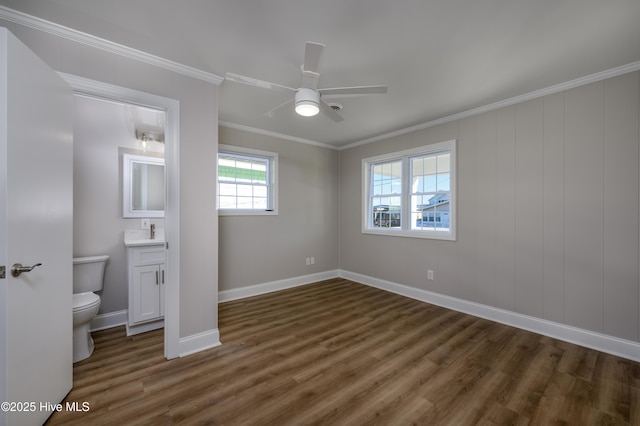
(411, 193)
(247, 181)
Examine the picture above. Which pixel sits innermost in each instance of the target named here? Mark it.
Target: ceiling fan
(308, 99)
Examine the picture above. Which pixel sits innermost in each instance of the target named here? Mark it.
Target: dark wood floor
(341, 353)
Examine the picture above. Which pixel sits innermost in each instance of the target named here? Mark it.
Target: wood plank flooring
(340, 353)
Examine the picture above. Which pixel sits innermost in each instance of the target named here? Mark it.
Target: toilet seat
(82, 301)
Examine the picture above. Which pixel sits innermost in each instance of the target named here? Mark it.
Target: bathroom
(104, 131)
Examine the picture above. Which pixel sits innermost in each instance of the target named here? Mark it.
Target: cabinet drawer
(147, 255)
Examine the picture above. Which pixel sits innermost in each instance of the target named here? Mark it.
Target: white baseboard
(601, 342)
(199, 342)
(132, 330)
(609, 344)
(188, 345)
(108, 320)
(268, 287)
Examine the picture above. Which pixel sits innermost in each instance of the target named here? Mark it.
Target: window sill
(437, 235)
(239, 212)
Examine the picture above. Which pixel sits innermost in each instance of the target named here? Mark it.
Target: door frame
(84, 86)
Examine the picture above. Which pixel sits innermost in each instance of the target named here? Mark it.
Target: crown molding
(603, 75)
(613, 72)
(106, 45)
(128, 52)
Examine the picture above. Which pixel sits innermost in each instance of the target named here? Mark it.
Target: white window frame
(405, 229)
(273, 181)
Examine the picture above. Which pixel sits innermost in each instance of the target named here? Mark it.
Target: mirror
(142, 186)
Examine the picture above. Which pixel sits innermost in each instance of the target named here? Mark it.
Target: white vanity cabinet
(146, 287)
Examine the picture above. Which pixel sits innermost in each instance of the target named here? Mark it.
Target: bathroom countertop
(140, 237)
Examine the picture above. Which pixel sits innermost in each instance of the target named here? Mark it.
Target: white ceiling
(438, 57)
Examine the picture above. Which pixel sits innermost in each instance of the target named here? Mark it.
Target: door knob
(17, 269)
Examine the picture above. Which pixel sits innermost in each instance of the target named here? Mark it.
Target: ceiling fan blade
(237, 78)
(353, 91)
(272, 111)
(330, 112)
(312, 55)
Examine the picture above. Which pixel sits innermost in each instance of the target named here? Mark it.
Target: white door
(36, 226)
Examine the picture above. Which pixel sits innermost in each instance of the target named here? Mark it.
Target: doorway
(104, 112)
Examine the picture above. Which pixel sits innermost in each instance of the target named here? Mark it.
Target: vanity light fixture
(307, 102)
(146, 137)
(149, 136)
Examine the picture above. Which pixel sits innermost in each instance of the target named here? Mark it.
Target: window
(247, 181)
(411, 193)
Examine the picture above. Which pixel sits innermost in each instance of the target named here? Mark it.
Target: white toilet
(88, 274)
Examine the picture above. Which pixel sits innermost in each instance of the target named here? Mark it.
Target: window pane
(396, 186)
(377, 188)
(444, 172)
(227, 202)
(260, 203)
(244, 202)
(429, 183)
(260, 191)
(427, 219)
(245, 190)
(444, 182)
(385, 216)
(387, 178)
(424, 174)
(386, 170)
(227, 189)
(259, 172)
(426, 188)
(442, 216)
(226, 169)
(444, 163)
(243, 182)
(386, 181)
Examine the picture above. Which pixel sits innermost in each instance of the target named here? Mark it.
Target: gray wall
(260, 249)
(102, 132)
(547, 217)
(548, 210)
(198, 146)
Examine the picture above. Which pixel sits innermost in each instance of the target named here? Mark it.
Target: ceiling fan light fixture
(307, 102)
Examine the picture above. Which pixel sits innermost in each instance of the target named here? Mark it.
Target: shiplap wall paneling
(444, 254)
(505, 211)
(553, 207)
(466, 235)
(445, 269)
(621, 206)
(529, 183)
(584, 217)
(485, 201)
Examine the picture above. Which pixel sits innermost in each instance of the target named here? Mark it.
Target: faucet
(152, 231)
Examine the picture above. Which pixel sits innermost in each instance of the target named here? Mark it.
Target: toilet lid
(84, 300)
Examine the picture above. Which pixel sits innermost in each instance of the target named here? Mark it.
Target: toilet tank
(88, 273)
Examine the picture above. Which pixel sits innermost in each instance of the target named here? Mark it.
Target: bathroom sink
(140, 237)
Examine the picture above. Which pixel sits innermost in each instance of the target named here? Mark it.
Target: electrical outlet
(430, 274)
(308, 261)
(313, 260)
(144, 223)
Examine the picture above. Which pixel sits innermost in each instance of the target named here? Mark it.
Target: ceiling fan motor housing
(307, 102)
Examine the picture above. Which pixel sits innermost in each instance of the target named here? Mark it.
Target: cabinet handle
(156, 277)
(163, 276)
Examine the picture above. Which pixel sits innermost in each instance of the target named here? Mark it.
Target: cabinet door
(162, 277)
(146, 293)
